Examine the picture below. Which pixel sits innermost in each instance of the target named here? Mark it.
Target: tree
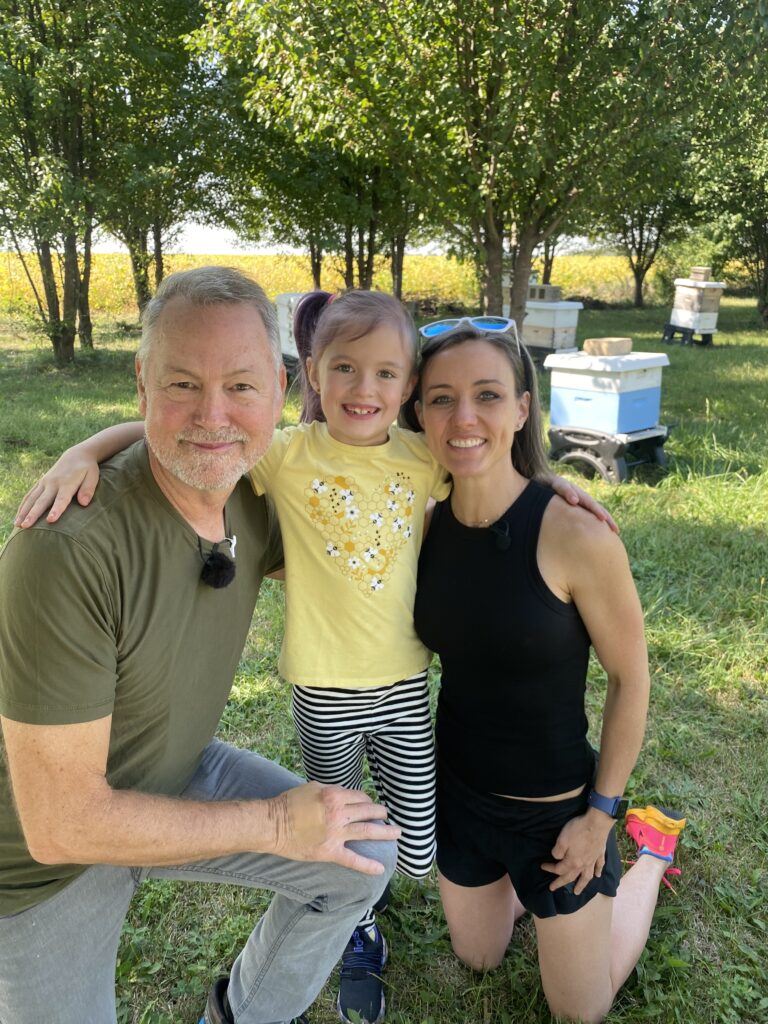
(154, 122)
(46, 88)
(506, 113)
(731, 153)
(646, 201)
(96, 112)
(369, 199)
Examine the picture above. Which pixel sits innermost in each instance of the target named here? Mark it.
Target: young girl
(351, 492)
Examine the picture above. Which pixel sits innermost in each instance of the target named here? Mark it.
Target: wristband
(613, 806)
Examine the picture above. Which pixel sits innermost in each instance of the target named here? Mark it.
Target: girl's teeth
(468, 442)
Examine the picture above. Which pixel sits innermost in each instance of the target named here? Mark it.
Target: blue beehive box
(612, 394)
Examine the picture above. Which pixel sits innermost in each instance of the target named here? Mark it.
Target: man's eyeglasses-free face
(501, 324)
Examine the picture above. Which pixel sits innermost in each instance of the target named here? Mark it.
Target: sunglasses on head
(500, 324)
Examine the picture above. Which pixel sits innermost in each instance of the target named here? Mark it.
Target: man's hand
(315, 822)
(580, 850)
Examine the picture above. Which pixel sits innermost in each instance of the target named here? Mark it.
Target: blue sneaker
(361, 988)
(218, 1010)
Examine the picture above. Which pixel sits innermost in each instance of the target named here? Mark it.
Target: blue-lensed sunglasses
(502, 324)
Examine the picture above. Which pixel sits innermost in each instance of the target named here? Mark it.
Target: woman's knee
(480, 957)
(586, 1010)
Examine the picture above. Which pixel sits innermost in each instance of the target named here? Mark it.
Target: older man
(121, 626)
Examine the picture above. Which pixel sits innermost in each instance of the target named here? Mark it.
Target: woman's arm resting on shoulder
(601, 585)
(75, 473)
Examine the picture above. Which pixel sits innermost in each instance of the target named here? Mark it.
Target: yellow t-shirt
(352, 520)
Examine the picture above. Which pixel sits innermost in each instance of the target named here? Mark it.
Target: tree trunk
(63, 344)
(370, 253)
(639, 272)
(398, 258)
(360, 256)
(521, 273)
(137, 250)
(48, 275)
(157, 238)
(84, 322)
(493, 243)
(762, 294)
(349, 257)
(70, 297)
(549, 259)
(316, 262)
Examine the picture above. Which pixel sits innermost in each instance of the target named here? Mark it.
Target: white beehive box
(551, 314)
(286, 303)
(613, 394)
(697, 303)
(551, 324)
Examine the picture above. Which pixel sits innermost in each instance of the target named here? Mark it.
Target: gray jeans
(57, 959)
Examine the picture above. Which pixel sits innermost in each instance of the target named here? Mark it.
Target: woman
(514, 587)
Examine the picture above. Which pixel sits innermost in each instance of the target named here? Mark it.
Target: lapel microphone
(500, 532)
(218, 568)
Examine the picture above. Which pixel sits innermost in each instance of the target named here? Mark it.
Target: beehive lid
(688, 282)
(580, 362)
(541, 304)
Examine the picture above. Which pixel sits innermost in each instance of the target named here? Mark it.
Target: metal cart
(610, 456)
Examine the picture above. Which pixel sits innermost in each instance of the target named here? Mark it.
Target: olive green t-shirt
(104, 613)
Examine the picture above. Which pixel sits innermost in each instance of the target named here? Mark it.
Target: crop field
(435, 278)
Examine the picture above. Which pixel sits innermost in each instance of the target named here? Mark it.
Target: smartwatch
(613, 806)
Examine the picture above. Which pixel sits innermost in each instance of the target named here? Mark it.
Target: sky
(194, 240)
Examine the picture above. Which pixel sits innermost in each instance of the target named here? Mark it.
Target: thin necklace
(478, 523)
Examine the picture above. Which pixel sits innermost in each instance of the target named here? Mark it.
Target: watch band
(614, 806)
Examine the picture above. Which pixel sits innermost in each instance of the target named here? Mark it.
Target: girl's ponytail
(305, 318)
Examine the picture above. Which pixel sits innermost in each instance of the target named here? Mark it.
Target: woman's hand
(580, 850)
(75, 474)
(576, 496)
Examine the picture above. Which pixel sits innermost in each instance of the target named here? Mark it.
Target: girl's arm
(595, 572)
(76, 473)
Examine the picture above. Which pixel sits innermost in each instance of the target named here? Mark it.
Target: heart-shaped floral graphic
(363, 533)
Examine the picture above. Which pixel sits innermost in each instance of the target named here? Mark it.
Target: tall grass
(699, 548)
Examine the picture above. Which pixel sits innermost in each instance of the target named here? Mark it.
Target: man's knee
(368, 888)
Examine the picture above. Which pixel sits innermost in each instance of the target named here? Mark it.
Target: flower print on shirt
(362, 533)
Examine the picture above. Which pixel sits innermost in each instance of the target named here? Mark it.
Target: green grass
(699, 549)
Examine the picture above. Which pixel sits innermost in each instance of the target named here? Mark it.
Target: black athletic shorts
(482, 837)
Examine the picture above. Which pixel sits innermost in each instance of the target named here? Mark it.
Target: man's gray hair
(209, 286)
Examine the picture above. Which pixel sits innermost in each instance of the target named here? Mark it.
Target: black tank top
(514, 657)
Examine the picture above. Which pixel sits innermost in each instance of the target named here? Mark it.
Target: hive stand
(687, 336)
(610, 456)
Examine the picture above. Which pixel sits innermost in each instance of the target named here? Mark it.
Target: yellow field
(434, 277)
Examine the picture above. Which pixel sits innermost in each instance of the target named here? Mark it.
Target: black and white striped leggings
(391, 726)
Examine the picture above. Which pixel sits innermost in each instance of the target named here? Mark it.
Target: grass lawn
(698, 543)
